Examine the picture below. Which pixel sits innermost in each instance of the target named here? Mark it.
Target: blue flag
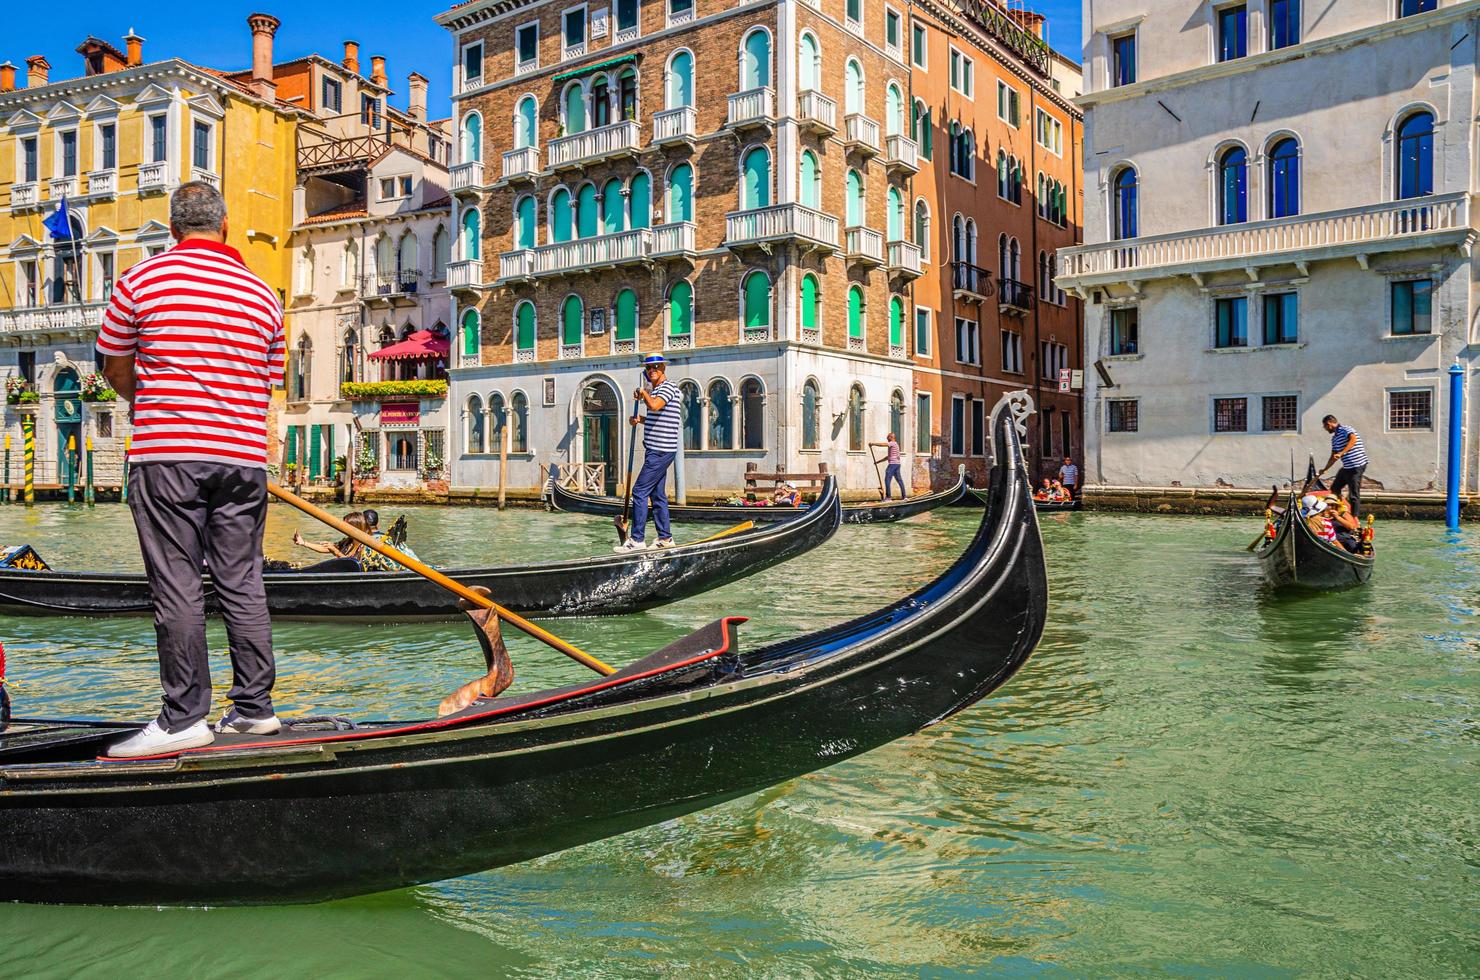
(60, 223)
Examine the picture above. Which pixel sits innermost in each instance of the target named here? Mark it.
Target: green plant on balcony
(15, 387)
(95, 389)
(29, 397)
(428, 388)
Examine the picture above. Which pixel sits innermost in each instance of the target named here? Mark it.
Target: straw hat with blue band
(654, 359)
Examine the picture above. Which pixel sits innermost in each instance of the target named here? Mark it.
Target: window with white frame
(472, 64)
(67, 153)
(573, 31)
(28, 161)
(370, 111)
(527, 46)
(159, 150)
(853, 15)
(1055, 358)
(1008, 106)
(1050, 133)
(963, 72)
(680, 11)
(924, 331)
(919, 56)
(103, 281)
(968, 341)
(1411, 307)
(106, 154)
(1410, 409)
(1012, 352)
(922, 422)
(202, 151)
(893, 33)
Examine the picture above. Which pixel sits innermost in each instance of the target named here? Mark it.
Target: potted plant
(95, 388)
(15, 386)
(431, 466)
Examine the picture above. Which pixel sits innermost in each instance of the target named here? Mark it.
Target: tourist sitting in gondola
(368, 559)
(1330, 518)
(786, 496)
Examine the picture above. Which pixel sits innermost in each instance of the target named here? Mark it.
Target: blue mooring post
(1456, 430)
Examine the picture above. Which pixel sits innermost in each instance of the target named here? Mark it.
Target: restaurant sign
(393, 414)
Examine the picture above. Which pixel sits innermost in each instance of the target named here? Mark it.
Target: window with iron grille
(1125, 415)
(1410, 410)
(1281, 413)
(1230, 415)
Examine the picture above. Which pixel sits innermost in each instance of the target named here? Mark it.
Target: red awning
(421, 345)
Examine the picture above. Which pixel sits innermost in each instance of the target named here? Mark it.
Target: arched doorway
(600, 432)
(68, 416)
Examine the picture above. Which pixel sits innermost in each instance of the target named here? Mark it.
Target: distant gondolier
(661, 431)
(1346, 447)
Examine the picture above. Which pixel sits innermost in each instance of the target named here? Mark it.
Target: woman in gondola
(368, 559)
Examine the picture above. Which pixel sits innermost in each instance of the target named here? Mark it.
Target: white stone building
(1279, 225)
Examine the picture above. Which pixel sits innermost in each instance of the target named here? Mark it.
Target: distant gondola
(875, 512)
(1296, 557)
(310, 815)
(601, 584)
(1043, 506)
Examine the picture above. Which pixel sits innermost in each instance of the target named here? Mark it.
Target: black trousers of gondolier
(1352, 480)
(193, 516)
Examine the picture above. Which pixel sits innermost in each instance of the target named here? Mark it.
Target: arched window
(693, 415)
(1416, 156)
(1124, 207)
(853, 90)
(601, 102)
(921, 129)
(756, 304)
(574, 103)
(385, 256)
(496, 419)
(1233, 186)
(680, 309)
(811, 303)
(562, 216)
(755, 61)
(896, 415)
(299, 377)
(472, 336)
(586, 211)
(525, 121)
(680, 205)
(1284, 178)
(1015, 259)
(627, 93)
(442, 252)
(1043, 286)
(640, 200)
(472, 239)
(625, 315)
(1004, 261)
(896, 323)
(895, 219)
(755, 184)
(855, 316)
(922, 228)
(1004, 178)
(680, 87)
(721, 416)
(349, 357)
(524, 326)
(958, 239)
(349, 264)
(519, 424)
(811, 186)
(471, 150)
(524, 222)
(811, 415)
(613, 207)
(855, 199)
(893, 110)
(407, 260)
(971, 240)
(572, 321)
(304, 271)
(1015, 171)
(855, 419)
(809, 63)
(473, 433)
(752, 414)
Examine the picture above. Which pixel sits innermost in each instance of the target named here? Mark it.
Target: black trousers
(193, 516)
(1352, 480)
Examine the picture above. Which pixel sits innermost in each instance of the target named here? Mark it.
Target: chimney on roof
(416, 106)
(7, 77)
(134, 45)
(37, 70)
(377, 70)
(351, 60)
(263, 26)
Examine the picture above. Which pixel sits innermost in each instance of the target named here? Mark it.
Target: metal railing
(403, 282)
(1014, 294)
(972, 279)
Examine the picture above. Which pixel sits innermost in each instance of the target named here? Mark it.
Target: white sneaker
(236, 723)
(631, 544)
(154, 740)
(666, 543)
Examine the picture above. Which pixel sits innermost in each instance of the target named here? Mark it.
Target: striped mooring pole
(5, 493)
(88, 495)
(128, 442)
(28, 441)
(71, 468)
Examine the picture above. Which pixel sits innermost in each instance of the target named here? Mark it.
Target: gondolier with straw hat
(662, 428)
(195, 341)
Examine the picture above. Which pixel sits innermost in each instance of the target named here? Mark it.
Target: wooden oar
(451, 585)
(742, 526)
(883, 493)
(624, 519)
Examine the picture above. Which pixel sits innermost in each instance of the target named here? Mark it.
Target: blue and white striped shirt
(1354, 457)
(661, 429)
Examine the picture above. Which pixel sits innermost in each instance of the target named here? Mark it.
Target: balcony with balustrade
(60, 187)
(594, 145)
(970, 283)
(901, 155)
(1352, 233)
(206, 177)
(390, 287)
(521, 164)
(817, 113)
(752, 109)
(154, 177)
(592, 254)
(863, 247)
(1014, 298)
(516, 266)
(466, 178)
(674, 127)
(70, 318)
(860, 134)
(905, 259)
(764, 227)
(25, 196)
(465, 274)
(102, 184)
(675, 240)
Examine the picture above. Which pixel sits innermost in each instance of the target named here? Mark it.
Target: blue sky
(216, 34)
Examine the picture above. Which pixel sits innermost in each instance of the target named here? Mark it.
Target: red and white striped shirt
(207, 340)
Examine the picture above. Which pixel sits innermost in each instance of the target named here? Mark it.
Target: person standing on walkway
(891, 467)
(1069, 477)
(195, 341)
(1346, 446)
(662, 428)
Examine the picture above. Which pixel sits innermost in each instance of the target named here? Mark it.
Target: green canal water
(1191, 777)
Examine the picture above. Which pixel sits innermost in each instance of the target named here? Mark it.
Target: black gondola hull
(1296, 558)
(600, 585)
(332, 819)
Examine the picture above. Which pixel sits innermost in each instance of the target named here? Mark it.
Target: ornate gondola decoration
(599, 585)
(314, 814)
(1294, 556)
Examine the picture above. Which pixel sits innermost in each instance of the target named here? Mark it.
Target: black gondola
(1296, 557)
(312, 815)
(1043, 506)
(601, 584)
(875, 512)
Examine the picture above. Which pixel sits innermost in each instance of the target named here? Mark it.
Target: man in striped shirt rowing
(1346, 446)
(195, 341)
(662, 427)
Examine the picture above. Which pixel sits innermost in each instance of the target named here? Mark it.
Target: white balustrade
(672, 125)
(779, 222)
(524, 355)
(752, 107)
(594, 144)
(817, 111)
(674, 239)
(901, 153)
(904, 258)
(626, 346)
(623, 35)
(619, 248)
(206, 177)
(467, 176)
(864, 245)
(678, 341)
(465, 274)
(60, 187)
(861, 133)
(755, 335)
(523, 162)
(676, 17)
(52, 319)
(154, 176)
(472, 82)
(516, 265)
(525, 67)
(102, 183)
(568, 351)
(25, 195)
(576, 50)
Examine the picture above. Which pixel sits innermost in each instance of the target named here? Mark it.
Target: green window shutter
(855, 199)
(471, 237)
(560, 222)
(680, 310)
(611, 207)
(294, 434)
(626, 315)
(526, 222)
(809, 181)
(570, 321)
(757, 301)
(896, 215)
(855, 312)
(896, 322)
(524, 323)
(314, 447)
(681, 194)
(640, 200)
(809, 302)
(470, 333)
(575, 110)
(586, 213)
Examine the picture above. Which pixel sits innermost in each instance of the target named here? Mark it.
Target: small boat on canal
(874, 512)
(599, 585)
(1042, 506)
(317, 813)
(1294, 557)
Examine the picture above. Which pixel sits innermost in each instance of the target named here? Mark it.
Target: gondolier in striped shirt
(662, 428)
(195, 341)
(1346, 446)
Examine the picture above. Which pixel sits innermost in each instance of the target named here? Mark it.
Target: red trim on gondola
(450, 722)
